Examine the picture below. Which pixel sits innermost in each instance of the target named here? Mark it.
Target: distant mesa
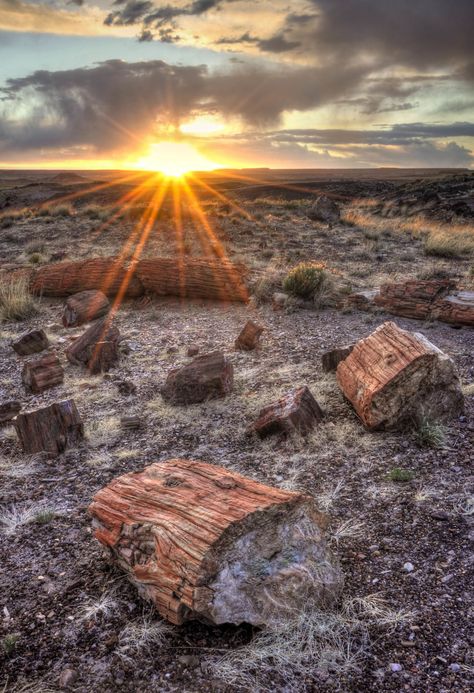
(68, 178)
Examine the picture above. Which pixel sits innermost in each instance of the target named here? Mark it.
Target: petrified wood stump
(8, 410)
(31, 343)
(51, 429)
(107, 274)
(84, 307)
(249, 337)
(43, 373)
(207, 377)
(202, 542)
(393, 375)
(331, 359)
(97, 349)
(296, 411)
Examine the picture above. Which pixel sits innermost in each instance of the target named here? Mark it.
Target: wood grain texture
(42, 374)
(249, 337)
(393, 375)
(184, 531)
(84, 307)
(296, 411)
(97, 348)
(209, 376)
(31, 342)
(50, 429)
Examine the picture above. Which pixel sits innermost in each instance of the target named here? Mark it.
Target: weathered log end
(84, 307)
(296, 411)
(202, 542)
(42, 374)
(97, 349)
(50, 429)
(394, 375)
(8, 410)
(31, 343)
(209, 376)
(249, 337)
(331, 359)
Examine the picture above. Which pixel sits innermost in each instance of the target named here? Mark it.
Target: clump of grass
(94, 211)
(429, 433)
(449, 245)
(44, 516)
(142, 636)
(36, 258)
(16, 302)
(103, 607)
(269, 283)
(400, 475)
(310, 280)
(43, 211)
(62, 211)
(9, 643)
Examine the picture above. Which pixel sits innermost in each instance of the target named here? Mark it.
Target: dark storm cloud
(277, 44)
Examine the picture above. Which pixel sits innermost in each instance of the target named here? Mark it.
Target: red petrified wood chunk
(31, 343)
(331, 359)
(200, 541)
(393, 375)
(414, 298)
(97, 349)
(43, 373)
(51, 429)
(84, 307)
(249, 337)
(206, 377)
(296, 411)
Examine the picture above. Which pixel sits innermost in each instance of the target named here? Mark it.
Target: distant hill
(68, 178)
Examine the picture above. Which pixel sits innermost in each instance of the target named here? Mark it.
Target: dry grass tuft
(311, 281)
(449, 245)
(16, 302)
(140, 637)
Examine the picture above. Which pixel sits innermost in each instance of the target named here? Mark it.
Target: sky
(277, 83)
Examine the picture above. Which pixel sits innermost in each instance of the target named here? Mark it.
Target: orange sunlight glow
(174, 159)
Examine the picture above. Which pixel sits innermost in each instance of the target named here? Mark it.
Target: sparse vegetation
(400, 475)
(450, 245)
(61, 211)
(429, 433)
(311, 281)
(9, 643)
(16, 301)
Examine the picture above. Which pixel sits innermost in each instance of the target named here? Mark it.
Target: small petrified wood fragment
(131, 423)
(84, 307)
(296, 411)
(51, 429)
(203, 542)
(331, 359)
(207, 377)
(393, 375)
(43, 373)
(31, 343)
(8, 410)
(97, 349)
(249, 337)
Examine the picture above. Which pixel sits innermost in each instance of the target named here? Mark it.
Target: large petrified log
(84, 307)
(31, 342)
(457, 309)
(51, 429)
(8, 410)
(107, 274)
(203, 542)
(393, 375)
(206, 377)
(249, 336)
(296, 411)
(331, 359)
(210, 279)
(41, 374)
(98, 348)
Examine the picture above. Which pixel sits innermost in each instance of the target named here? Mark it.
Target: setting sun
(174, 159)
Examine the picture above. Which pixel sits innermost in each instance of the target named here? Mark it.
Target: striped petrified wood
(296, 411)
(203, 542)
(249, 336)
(209, 376)
(42, 373)
(50, 429)
(394, 375)
(457, 309)
(31, 342)
(97, 348)
(84, 307)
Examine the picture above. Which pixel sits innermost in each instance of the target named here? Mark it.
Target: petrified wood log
(202, 542)
(107, 274)
(43, 373)
(393, 375)
(84, 307)
(211, 279)
(331, 359)
(249, 337)
(207, 377)
(97, 349)
(456, 309)
(296, 411)
(31, 342)
(51, 429)
(8, 410)
(414, 298)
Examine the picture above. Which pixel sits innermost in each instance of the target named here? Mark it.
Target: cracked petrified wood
(414, 298)
(97, 349)
(296, 411)
(84, 307)
(51, 429)
(210, 279)
(31, 342)
(249, 337)
(107, 274)
(43, 373)
(393, 376)
(331, 359)
(206, 377)
(8, 410)
(200, 541)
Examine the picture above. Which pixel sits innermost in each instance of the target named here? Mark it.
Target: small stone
(440, 515)
(190, 661)
(172, 350)
(193, 351)
(67, 678)
(126, 387)
(394, 666)
(455, 667)
(408, 567)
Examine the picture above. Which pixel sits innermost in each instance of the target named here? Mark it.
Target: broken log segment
(249, 337)
(203, 542)
(296, 411)
(8, 410)
(209, 376)
(331, 359)
(209, 279)
(394, 375)
(42, 374)
(84, 307)
(97, 349)
(455, 309)
(31, 343)
(107, 274)
(51, 429)
(414, 298)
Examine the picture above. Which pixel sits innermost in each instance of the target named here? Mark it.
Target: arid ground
(400, 504)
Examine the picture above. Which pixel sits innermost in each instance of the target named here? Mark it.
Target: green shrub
(9, 643)
(310, 280)
(36, 258)
(429, 433)
(16, 302)
(400, 475)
